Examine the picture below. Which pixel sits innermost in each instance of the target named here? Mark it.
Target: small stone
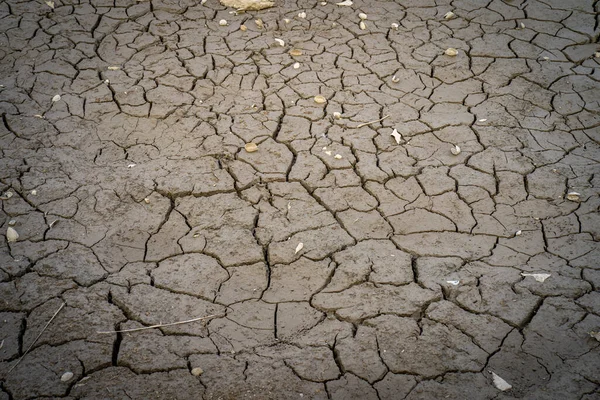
(223, 22)
(395, 26)
(362, 16)
(34, 192)
(518, 233)
(302, 15)
(452, 52)
(66, 377)
(338, 156)
(197, 371)
(296, 65)
(449, 15)
(597, 54)
(11, 235)
(337, 115)
(12, 222)
(243, 28)
(251, 147)
(522, 25)
(362, 25)
(56, 98)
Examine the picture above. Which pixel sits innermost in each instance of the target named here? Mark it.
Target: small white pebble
(395, 26)
(518, 233)
(287, 20)
(223, 22)
(34, 192)
(338, 156)
(302, 15)
(67, 376)
(362, 16)
(296, 65)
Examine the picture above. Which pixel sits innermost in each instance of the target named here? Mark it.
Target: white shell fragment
(320, 99)
(397, 136)
(338, 156)
(302, 15)
(395, 26)
(395, 79)
(501, 383)
(362, 16)
(522, 25)
(6, 195)
(223, 22)
(538, 277)
(11, 234)
(362, 25)
(280, 41)
(573, 196)
(595, 335)
(518, 233)
(296, 65)
(455, 150)
(299, 247)
(337, 115)
(50, 4)
(345, 3)
(56, 98)
(66, 377)
(483, 120)
(12, 222)
(287, 20)
(113, 68)
(449, 15)
(452, 52)
(197, 371)
(146, 200)
(454, 283)
(34, 192)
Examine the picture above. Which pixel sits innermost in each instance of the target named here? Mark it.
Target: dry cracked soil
(335, 262)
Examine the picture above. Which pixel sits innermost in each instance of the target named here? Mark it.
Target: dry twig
(36, 339)
(162, 325)
(372, 122)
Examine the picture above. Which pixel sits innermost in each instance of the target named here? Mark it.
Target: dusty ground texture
(136, 203)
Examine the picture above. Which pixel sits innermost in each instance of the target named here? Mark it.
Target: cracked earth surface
(136, 203)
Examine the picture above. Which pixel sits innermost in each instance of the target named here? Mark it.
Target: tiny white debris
(56, 98)
(328, 152)
(12, 222)
(546, 58)
(362, 16)
(337, 115)
(38, 116)
(597, 54)
(395, 79)
(338, 156)
(113, 68)
(518, 233)
(522, 25)
(287, 20)
(323, 3)
(455, 150)
(573, 196)
(455, 282)
(299, 247)
(147, 200)
(34, 192)
(296, 65)
(595, 335)
(107, 81)
(280, 41)
(302, 15)
(6, 196)
(203, 2)
(395, 26)
(449, 15)
(397, 136)
(501, 383)
(67, 376)
(345, 3)
(324, 148)
(452, 52)
(483, 120)
(50, 4)
(362, 25)
(131, 166)
(289, 206)
(223, 22)
(538, 277)
(11, 234)
(197, 371)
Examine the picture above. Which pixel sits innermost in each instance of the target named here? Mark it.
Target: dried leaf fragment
(347, 3)
(299, 247)
(50, 4)
(251, 147)
(501, 383)
(538, 277)
(452, 52)
(281, 42)
(397, 136)
(320, 99)
(56, 98)
(295, 52)
(449, 15)
(11, 234)
(248, 5)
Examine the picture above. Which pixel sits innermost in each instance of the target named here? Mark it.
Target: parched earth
(335, 262)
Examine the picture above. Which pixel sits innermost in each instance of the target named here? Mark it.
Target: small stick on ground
(36, 339)
(372, 122)
(162, 325)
